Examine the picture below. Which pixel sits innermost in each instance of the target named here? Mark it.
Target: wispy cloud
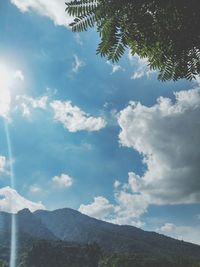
(78, 39)
(77, 64)
(35, 188)
(115, 67)
(3, 163)
(28, 102)
(141, 66)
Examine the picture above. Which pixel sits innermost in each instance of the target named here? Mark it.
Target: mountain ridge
(69, 225)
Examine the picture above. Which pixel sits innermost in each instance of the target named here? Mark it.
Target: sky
(109, 140)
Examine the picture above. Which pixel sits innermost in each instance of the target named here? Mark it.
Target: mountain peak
(12, 202)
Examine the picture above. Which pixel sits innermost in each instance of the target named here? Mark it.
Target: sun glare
(9, 77)
(6, 77)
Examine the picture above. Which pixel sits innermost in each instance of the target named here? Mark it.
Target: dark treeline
(60, 254)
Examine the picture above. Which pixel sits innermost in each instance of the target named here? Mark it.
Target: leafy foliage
(166, 32)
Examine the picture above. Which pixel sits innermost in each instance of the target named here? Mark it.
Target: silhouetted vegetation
(166, 32)
(58, 254)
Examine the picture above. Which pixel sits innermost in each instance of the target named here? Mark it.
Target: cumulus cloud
(186, 233)
(55, 10)
(74, 119)
(63, 181)
(77, 64)
(100, 208)
(167, 136)
(12, 202)
(141, 66)
(126, 209)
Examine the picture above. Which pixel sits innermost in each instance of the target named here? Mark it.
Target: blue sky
(77, 140)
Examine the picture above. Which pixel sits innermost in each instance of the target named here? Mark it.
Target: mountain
(72, 226)
(28, 228)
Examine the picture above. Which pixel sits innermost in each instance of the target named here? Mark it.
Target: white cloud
(130, 205)
(40, 102)
(27, 102)
(186, 233)
(35, 188)
(12, 202)
(115, 67)
(126, 210)
(63, 181)
(55, 10)
(77, 64)
(100, 208)
(117, 184)
(74, 119)
(167, 136)
(167, 227)
(8, 87)
(141, 65)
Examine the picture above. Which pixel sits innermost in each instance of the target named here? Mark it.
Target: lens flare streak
(13, 248)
